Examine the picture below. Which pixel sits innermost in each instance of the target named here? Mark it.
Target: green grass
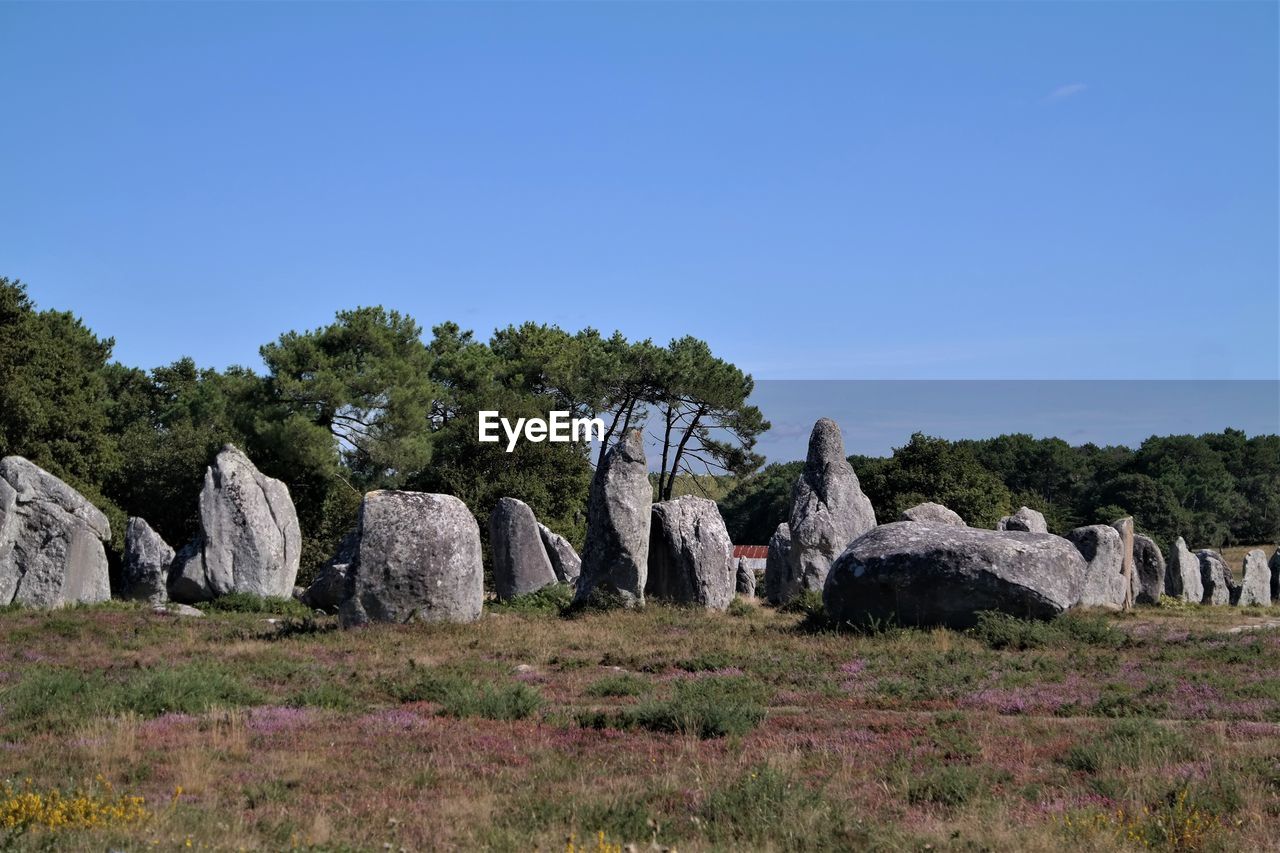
(704, 708)
(243, 602)
(460, 696)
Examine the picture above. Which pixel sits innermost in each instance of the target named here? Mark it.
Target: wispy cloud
(1067, 91)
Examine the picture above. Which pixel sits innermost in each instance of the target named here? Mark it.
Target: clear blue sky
(819, 190)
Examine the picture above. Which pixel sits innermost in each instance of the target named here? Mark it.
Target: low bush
(704, 707)
(458, 696)
(244, 602)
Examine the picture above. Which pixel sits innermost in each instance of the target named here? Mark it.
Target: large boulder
(418, 561)
(746, 579)
(520, 561)
(911, 573)
(565, 561)
(615, 558)
(1182, 574)
(690, 555)
(249, 538)
(1104, 582)
(147, 559)
(777, 567)
(1215, 575)
(933, 513)
(332, 586)
(51, 540)
(1256, 588)
(1025, 520)
(828, 511)
(1148, 570)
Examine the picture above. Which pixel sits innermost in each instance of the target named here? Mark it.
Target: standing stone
(777, 567)
(615, 558)
(1182, 575)
(1275, 575)
(1215, 574)
(1105, 584)
(331, 586)
(51, 540)
(828, 511)
(418, 561)
(934, 514)
(1256, 589)
(1124, 526)
(690, 555)
(746, 586)
(909, 573)
(520, 561)
(1025, 520)
(565, 561)
(147, 559)
(1149, 570)
(249, 538)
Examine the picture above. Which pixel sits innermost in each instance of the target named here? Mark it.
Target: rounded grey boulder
(828, 511)
(1148, 570)
(147, 559)
(1104, 583)
(690, 555)
(1025, 520)
(331, 586)
(933, 513)
(1256, 588)
(565, 561)
(615, 558)
(418, 560)
(249, 537)
(939, 574)
(51, 540)
(520, 561)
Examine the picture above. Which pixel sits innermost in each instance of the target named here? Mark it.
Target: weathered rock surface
(1216, 577)
(746, 579)
(51, 540)
(777, 565)
(565, 561)
(147, 559)
(1256, 588)
(249, 538)
(933, 513)
(940, 574)
(1026, 520)
(690, 555)
(520, 561)
(1182, 574)
(1104, 582)
(1148, 570)
(1125, 527)
(418, 560)
(615, 558)
(332, 585)
(828, 511)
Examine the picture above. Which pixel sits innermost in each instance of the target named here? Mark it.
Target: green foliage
(623, 684)
(459, 696)
(701, 707)
(1001, 631)
(554, 600)
(755, 507)
(1126, 744)
(244, 602)
(946, 785)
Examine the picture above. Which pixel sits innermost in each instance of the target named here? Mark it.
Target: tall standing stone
(418, 561)
(51, 540)
(615, 558)
(1149, 570)
(520, 561)
(1275, 575)
(777, 567)
(1124, 526)
(249, 537)
(1182, 575)
(1025, 520)
(746, 579)
(828, 511)
(1105, 584)
(1255, 591)
(147, 559)
(690, 555)
(1215, 575)
(565, 561)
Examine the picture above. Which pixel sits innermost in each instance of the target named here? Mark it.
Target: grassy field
(747, 730)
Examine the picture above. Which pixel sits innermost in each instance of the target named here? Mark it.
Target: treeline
(367, 402)
(1215, 490)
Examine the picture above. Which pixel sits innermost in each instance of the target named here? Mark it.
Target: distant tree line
(367, 402)
(1215, 490)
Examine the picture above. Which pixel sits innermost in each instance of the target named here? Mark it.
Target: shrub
(1128, 743)
(551, 600)
(244, 602)
(705, 707)
(462, 697)
(945, 785)
(1001, 631)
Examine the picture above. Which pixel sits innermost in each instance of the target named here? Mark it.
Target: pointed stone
(520, 561)
(1255, 591)
(690, 555)
(615, 558)
(147, 559)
